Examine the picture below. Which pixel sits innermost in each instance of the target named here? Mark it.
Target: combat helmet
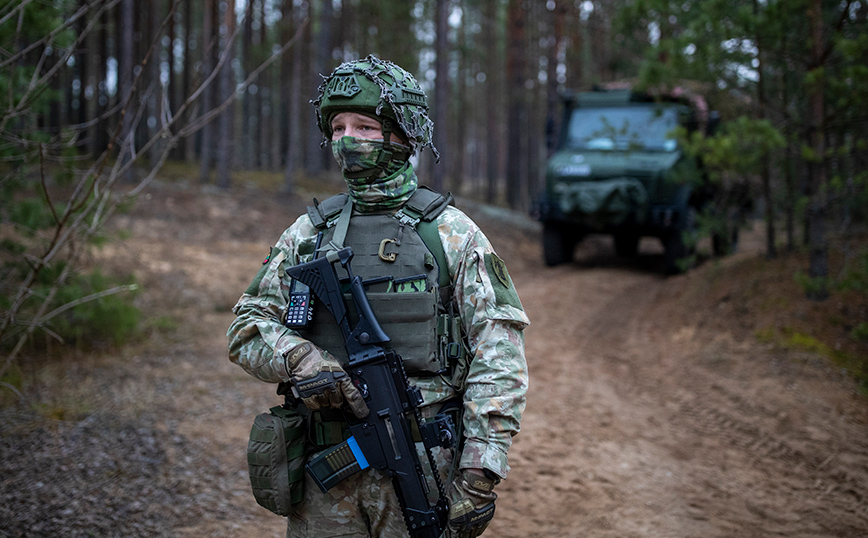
(380, 88)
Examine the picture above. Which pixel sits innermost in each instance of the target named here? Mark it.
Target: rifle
(383, 439)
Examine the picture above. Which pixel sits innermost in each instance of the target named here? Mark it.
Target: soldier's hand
(320, 382)
(471, 506)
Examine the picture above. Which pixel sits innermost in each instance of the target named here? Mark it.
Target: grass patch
(860, 332)
(10, 385)
(161, 324)
(792, 339)
(753, 296)
(67, 409)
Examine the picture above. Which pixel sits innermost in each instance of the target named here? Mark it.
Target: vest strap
(430, 235)
(342, 225)
(323, 215)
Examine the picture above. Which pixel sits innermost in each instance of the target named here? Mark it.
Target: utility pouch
(275, 459)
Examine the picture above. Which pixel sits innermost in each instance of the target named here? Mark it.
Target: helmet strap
(386, 154)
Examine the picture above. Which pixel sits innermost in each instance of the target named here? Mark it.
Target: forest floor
(661, 407)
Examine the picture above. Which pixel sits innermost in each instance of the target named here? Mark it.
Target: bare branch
(53, 34)
(210, 115)
(94, 199)
(45, 187)
(86, 299)
(12, 388)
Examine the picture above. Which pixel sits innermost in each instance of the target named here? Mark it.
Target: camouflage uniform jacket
(491, 314)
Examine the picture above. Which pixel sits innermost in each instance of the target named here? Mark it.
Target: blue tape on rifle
(357, 452)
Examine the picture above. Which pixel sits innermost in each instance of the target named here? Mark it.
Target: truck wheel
(675, 253)
(558, 244)
(626, 244)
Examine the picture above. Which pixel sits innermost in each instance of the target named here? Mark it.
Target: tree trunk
(790, 166)
(492, 72)
(208, 53)
(248, 103)
(457, 163)
(101, 139)
(441, 93)
(818, 268)
(293, 94)
(127, 136)
(552, 125)
(227, 89)
(154, 118)
(186, 146)
(172, 81)
(320, 41)
(81, 71)
(515, 71)
(771, 250)
(271, 103)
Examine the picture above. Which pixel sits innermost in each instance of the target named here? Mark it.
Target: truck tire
(674, 250)
(558, 244)
(626, 244)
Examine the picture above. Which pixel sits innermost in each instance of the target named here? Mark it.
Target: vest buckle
(390, 257)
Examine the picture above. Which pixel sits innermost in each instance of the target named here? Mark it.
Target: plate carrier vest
(403, 265)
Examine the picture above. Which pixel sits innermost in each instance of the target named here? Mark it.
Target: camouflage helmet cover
(380, 88)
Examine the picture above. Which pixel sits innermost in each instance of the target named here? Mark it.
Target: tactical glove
(471, 506)
(320, 382)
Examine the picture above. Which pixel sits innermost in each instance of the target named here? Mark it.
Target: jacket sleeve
(493, 320)
(258, 339)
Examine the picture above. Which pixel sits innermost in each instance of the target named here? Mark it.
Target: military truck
(616, 171)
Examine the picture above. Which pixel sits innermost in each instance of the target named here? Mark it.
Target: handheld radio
(299, 310)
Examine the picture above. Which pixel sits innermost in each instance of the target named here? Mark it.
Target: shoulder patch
(504, 291)
(499, 269)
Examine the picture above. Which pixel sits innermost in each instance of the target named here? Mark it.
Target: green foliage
(741, 147)
(50, 212)
(759, 64)
(789, 338)
(108, 320)
(163, 324)
(11, 383)
(12, 247)
(38, 21)
(31, 214)
(817, 286)
(856, 277)
(860, 332)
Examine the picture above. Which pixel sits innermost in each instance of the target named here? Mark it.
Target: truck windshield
(622, 128)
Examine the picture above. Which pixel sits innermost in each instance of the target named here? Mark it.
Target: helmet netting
(412, 119)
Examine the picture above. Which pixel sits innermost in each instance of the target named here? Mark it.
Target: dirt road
(641, 424)
(641, 420)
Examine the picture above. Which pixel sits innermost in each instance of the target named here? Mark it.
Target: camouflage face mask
(361, 154)
(384, 190)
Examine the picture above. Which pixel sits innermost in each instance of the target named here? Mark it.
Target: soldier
(438, 288)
